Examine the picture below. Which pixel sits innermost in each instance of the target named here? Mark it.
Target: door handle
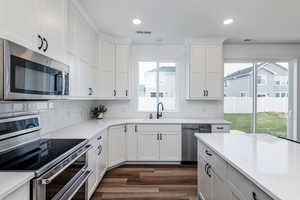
(135, 128)
(42, 42)
(160, 136)
(206, 92)
(115, 93)
(208, 170)
(157, 136)
(46, 48)
(126, 93)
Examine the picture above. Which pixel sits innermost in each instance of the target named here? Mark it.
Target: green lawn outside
(270, 122)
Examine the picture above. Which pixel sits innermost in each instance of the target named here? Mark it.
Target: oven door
(65, 179)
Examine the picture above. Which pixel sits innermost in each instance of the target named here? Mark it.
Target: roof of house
(248, 70)
(164, 69)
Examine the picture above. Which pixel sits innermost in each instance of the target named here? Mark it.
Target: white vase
(100, 116)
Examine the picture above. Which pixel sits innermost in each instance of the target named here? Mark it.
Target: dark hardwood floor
(176, 182)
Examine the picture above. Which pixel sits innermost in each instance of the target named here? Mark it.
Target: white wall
(164, 53)
(54, 114)
(262, 51)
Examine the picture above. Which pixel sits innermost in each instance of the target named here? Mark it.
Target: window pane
(272, 104)
(147, 86)
(167, 85)
(238, 95)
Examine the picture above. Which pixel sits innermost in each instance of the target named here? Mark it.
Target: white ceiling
(176, 20)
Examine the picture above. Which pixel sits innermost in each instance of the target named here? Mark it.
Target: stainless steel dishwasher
(189, 141)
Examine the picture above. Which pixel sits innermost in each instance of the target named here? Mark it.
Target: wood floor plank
(150, 182)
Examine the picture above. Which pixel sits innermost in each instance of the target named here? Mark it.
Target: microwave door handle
(46, 181)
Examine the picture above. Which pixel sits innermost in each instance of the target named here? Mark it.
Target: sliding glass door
(256, 97)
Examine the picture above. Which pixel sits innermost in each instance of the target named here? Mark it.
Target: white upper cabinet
(19, 21)
(107, 69)
(35, 24)
(82, 39)
(205, 71)
(114, 70)
(52, 24)
(122, 71)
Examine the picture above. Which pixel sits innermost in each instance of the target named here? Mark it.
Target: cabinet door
(170, 146)
(102, 156)
(52, 22)
(214, 72)
(219, 187)
(116, 145)
(106, 72)
(21, 193)
(132, 143)
(122, 65)
(19, 22)
(204, 181)
(197, 72)
(148, 146)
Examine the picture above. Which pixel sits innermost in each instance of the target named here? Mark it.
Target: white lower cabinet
(22, 193)
(159, 143)
(132, 143)
(96, 161)
(170, 146)
(116, 145)
(148, 146)
(217, 180)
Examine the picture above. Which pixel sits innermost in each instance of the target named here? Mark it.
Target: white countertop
(271, 163)
(91, 128)
(11, 181)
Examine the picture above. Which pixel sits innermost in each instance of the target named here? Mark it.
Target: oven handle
(46, 181)
(69, 194)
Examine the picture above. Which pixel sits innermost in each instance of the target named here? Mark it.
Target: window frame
(137, 71)
(292, 127)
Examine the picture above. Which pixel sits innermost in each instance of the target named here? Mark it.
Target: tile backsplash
(54, 114)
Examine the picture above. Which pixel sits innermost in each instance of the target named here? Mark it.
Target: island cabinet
(218, 180)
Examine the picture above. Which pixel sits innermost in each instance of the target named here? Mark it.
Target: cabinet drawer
(217, 128)
(245, 186)
(159, 128)
(219, 166)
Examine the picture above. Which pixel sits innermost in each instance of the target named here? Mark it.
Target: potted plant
(98, 111)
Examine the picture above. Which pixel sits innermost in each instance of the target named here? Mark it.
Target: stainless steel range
(60, 165)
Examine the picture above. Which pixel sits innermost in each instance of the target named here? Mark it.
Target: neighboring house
(272, 81)
(167, 76)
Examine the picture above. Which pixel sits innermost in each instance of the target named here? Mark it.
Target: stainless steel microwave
(27, 75)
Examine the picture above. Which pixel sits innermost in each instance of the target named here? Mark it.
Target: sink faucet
(159, 114)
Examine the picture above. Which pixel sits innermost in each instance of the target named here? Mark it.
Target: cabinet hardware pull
(115, 93)
(125, 129)
(42, 42)
(99, 138)
(135, 128)
(91, 91)
(207, 170)
(207, 93)
(157, 136)
(220, 128)
(100, 150)
(204, 93)
(46, 48)
(208, 153)
(126, 93)
(254, 196)
(160, 136)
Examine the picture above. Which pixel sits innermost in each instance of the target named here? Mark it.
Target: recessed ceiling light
(228, 21)
(136, 21)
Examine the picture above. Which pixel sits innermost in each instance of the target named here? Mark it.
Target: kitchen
(110, 100)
